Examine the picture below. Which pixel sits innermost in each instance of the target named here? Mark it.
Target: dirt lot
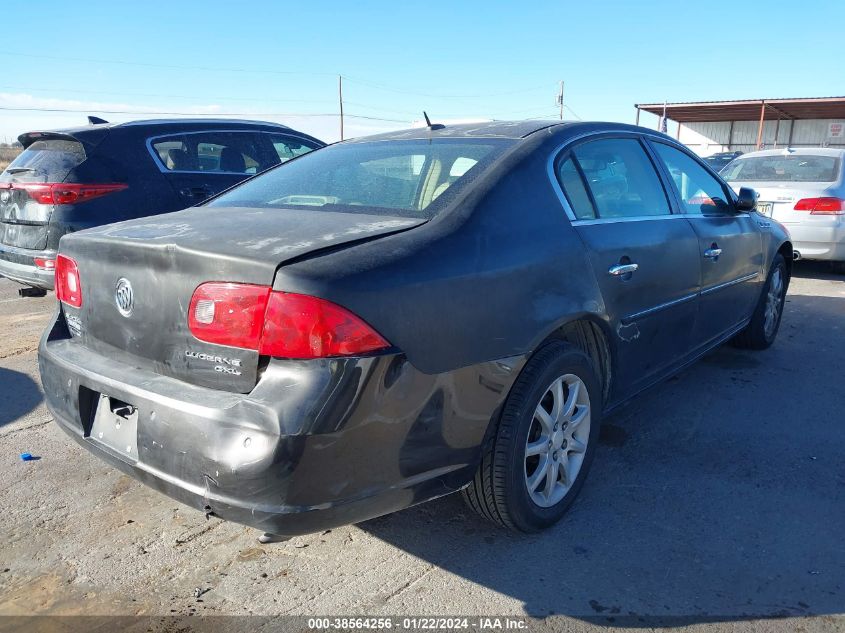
(717, 499)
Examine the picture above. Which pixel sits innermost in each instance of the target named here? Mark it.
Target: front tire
(761, 332)
(536, 461)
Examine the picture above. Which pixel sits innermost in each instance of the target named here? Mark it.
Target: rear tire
(761, 332)
(535, 463)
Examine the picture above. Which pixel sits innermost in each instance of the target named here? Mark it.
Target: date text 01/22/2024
(419, 623)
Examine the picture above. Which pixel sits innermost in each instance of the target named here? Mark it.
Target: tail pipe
(796, 255)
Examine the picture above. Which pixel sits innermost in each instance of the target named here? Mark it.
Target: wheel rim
(773, 303)
(557, 440)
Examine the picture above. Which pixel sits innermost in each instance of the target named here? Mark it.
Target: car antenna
(95, 120)
(430, 125)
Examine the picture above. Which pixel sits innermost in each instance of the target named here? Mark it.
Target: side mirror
(746, 199)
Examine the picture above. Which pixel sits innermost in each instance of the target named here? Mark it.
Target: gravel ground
(717, 501)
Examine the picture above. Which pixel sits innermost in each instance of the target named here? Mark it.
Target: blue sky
(280, 60)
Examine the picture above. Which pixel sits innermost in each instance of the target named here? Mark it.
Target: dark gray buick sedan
(392, 319)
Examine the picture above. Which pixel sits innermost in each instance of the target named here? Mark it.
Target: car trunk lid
(165, 258)
(24, 215)
(777, 200)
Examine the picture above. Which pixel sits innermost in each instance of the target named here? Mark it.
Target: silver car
(804, 189)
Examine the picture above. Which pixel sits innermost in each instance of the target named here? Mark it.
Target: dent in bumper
(316, 444)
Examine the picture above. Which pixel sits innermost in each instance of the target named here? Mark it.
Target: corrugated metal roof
(749, 109)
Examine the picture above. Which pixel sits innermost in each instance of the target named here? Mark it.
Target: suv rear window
(783, 168)
(379, 177)
(48, 160)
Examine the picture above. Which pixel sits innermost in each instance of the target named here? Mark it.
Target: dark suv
(74, 179)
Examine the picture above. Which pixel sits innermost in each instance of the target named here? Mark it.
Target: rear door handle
(622, 269)
(197, 192)
(713, 253)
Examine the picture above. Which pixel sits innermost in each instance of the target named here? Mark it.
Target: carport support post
(760, 127)
(637, 120)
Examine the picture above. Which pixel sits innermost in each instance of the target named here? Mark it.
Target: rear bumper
(19, 265)
(316, 444)
(815, 240)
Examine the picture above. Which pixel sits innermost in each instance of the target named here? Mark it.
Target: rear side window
(225, 152)
(576, 192)
(612, 178)
(699, 191)
(407, 178)
(49, 160)
(784, 168)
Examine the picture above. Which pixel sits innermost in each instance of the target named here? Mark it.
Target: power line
(162, 96)
(204, 114)
(364, 82)
(378, 86)
(170, 66)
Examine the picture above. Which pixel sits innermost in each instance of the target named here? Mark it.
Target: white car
(802, 188)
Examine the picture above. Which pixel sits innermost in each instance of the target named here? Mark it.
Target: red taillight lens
(45, 264)
(278, 324)
(228, 314)
(65, 193)
(68, 283)
(299, 326)
(821, 206)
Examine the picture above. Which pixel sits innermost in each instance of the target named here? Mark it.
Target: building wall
(711, 137)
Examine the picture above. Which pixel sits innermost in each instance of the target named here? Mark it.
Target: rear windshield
(406, 178)
(46, 161)
(784, 168)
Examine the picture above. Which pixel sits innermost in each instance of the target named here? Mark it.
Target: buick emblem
(5, 197)
(123, 297)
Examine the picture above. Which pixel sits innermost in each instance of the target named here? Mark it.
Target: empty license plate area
(115, 426)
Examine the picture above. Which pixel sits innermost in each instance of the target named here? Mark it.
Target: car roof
(92, 133)
(796, 151)
(481, 129)
(503, 129)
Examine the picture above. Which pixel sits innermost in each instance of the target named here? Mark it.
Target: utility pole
(560, 100)
(340, 99)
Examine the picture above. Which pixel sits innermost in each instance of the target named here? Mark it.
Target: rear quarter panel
(489, 278)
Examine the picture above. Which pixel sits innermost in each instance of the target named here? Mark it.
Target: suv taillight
(821, 206)
(65, 193)
(68, 283)
(280, 324)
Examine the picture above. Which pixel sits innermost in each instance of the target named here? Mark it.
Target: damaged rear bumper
(315, 445)
(18, 265)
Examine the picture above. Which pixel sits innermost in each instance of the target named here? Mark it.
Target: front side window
(699, 191)
(380, 177)
(784, 168)
(612, 178)
(288, 147)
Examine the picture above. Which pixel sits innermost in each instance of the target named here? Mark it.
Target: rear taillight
(68, 283)
(821, 206)
(65, 193)
(280, 324)
(228, 314)
(45, 264)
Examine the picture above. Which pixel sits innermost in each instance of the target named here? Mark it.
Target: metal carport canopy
(749, 109)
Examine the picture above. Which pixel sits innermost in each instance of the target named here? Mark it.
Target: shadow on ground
(807, 269)
(718, 496)
(19, 394)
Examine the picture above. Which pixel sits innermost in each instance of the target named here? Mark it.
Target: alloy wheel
(774, 303)
(557, 440)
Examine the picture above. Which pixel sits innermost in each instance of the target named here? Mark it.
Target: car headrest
(178, 160)
(232, 160)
